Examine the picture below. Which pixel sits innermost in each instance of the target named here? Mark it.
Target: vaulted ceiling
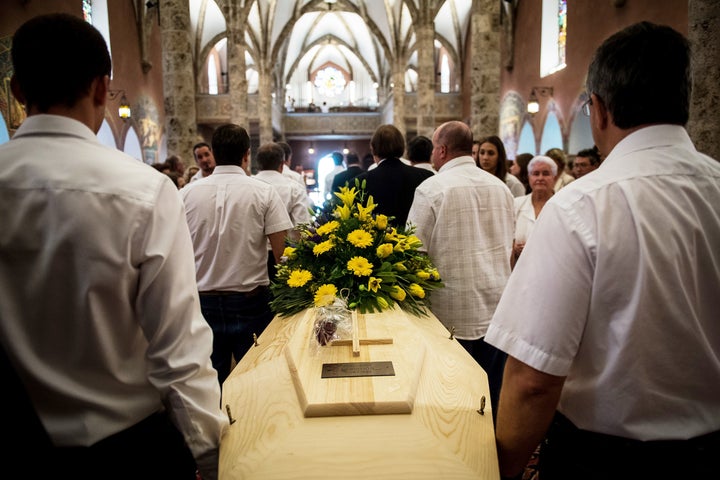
(364, 37)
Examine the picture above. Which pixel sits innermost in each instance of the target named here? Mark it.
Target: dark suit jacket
(392, 185)
(346, 176)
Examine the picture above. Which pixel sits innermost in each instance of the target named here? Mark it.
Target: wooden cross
(356, 341)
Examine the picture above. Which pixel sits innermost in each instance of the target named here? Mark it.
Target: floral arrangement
(354, 255)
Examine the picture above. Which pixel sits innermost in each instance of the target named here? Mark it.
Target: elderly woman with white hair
(542, 171)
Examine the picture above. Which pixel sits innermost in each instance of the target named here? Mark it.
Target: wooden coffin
(423, 421)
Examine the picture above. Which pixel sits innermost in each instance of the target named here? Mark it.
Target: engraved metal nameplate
(357, 369)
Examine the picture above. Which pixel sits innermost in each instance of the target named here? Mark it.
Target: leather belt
(220, 293)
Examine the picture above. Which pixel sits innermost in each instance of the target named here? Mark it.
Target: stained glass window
(87, 10)
(554, 36)
(330, 81)
(562, 30)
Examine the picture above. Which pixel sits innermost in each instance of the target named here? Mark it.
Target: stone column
(398, 89)
(237, 81)
(425, 34)
(704, 36)
(485, 69)
(265, 102)
(178, 79)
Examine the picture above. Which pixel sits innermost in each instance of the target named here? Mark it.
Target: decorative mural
(147, 121)
(12, 110)
(512, 113)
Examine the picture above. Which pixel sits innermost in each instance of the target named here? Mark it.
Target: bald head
(451, 140)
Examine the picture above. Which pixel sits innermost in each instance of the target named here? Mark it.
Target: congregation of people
(585, 286)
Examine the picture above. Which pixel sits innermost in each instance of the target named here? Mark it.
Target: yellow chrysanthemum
(346, 195)
(360, 238)
(397, 293)
(382, 303)
(360, 266)
(325, 294)
(384, 250)
(298, 278)
(422, 274)
(381, 221)
(374, 284)
(323, 247)
(289, 252)
(416, 290)
(329, 227)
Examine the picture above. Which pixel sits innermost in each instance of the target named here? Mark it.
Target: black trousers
(571, 453)
(152, 449)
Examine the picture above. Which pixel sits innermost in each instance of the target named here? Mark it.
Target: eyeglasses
(585, 107)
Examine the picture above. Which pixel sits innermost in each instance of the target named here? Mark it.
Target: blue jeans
(234, 317)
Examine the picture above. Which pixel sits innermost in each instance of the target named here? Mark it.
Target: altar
(401, 400)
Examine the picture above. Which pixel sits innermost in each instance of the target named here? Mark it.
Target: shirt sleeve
(299, 212)
(422, 216)
(277, 218)
(179, 339)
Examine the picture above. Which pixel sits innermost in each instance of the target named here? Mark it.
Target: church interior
(322, 75)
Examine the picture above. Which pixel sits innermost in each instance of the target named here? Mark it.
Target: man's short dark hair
(352, 158)
(270, 156)
(642, 75)
(56, 58)
(591, 154)
(419, 149)
(200, 145)
(387, 142)
(230, 143)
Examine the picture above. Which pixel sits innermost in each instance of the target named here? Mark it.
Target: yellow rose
(381, 221)
(384, 250)
(397, 293)
(416, 290)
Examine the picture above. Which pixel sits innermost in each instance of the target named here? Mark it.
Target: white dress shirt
(516, 187)
(618, 290)
(524, 217)
(99, 306)
(230, 216)
(464, 217)
(293, 195)
(294, 176)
